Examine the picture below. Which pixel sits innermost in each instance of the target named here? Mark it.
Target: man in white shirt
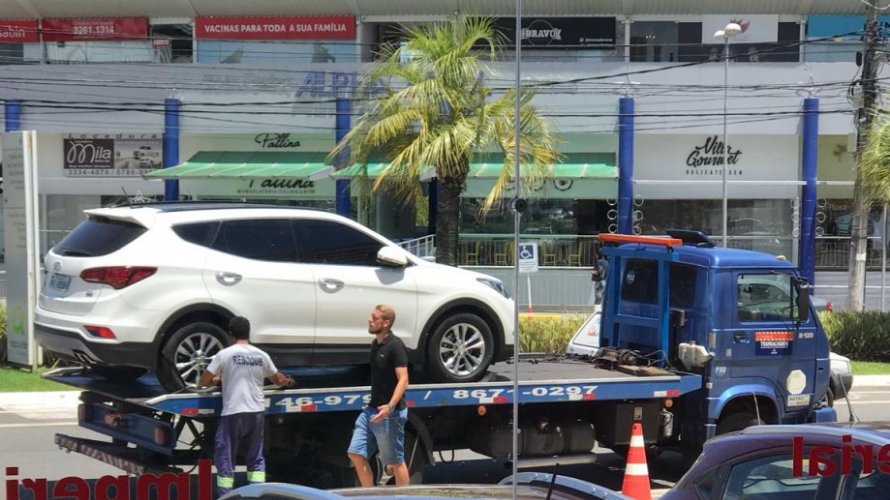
(242, 367)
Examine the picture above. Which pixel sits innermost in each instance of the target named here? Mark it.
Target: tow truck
(308, 428)
(685, 351)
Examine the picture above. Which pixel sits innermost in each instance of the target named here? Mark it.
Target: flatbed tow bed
(539, 382)
(145, 423)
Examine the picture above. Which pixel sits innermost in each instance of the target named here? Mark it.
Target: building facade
(250, 81)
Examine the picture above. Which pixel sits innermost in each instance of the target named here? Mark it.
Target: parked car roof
(530, 485)
(759, 462)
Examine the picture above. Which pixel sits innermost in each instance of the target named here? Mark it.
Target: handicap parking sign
(528, 257)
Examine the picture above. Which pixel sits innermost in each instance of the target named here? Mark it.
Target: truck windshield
(766, 297)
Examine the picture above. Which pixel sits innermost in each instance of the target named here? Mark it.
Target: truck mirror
(803, 300)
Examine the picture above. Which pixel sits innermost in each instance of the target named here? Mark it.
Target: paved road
(29, 422)
(833, 285)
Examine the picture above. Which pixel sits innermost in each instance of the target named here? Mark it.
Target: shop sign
(710, 154)
(332, 84)
(286, 188)
(275, 28)
(109, 28)
(123, 155)
(264, 188)
(560, 32)
(18, 31)
(759, 28)
(21, 249)
(276, 141)
(690, 166)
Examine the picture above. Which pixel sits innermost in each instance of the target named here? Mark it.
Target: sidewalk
(870, 381)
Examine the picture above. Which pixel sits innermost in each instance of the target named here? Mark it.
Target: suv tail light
(100, 331)
(117, 277)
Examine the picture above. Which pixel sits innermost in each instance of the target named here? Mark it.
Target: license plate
(59, 281)
(798, 400)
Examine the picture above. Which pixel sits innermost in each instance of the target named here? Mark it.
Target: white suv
(152, 287)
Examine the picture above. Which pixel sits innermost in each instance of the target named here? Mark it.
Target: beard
(374, 331)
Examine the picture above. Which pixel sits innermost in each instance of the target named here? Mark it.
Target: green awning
(374, 170)
(248, 164)
(573, 166)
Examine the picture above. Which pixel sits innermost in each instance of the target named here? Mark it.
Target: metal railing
(424, 246)
(554, 250)
(833, 253)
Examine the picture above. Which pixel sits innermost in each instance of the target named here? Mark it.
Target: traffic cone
(636, 474)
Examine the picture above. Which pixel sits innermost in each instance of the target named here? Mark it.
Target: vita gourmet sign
(707, 158)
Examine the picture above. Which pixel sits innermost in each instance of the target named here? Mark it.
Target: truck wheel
(460, 349)
(737, 422)
(416, 458)
(829, 397)
(187, 353)
(118, 373)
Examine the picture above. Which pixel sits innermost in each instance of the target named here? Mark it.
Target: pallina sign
(276, 141)
(710, 154)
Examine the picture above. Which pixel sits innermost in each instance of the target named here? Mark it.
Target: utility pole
(861, 204)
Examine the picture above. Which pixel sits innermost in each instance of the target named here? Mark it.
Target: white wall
(593, 102)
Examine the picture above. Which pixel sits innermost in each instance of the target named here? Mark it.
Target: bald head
(382, 318)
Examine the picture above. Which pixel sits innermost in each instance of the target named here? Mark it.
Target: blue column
(13, 114)
(809, 172)
(342, 199)
(625, 165)
(171, 145)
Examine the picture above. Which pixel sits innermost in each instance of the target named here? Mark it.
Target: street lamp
(731, 30)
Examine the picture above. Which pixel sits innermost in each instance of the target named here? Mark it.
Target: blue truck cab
(740, 319)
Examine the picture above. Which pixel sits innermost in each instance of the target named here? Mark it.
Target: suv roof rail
(692, 237)
(185, 205)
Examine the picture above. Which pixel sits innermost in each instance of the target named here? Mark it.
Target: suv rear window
(98, 236)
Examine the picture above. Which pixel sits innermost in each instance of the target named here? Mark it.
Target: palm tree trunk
(447, 220)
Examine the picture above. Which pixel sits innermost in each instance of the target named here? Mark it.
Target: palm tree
(875, 164)
(435, 111)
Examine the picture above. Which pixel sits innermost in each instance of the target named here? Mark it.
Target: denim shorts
(387, 437)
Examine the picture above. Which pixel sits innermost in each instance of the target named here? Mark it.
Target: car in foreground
(152, 287)
(530, 485)
(791, 462)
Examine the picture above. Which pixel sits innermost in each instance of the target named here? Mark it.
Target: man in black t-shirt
(381, 425)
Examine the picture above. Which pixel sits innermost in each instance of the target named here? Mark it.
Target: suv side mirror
(803, 299)
(393, 257)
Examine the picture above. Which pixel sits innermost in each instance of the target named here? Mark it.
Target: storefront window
(556, 217)
(12, 53)
(654, 41)
(106, 51)
(171, 43)
(763, 225)
(693, 48)
(274, 52)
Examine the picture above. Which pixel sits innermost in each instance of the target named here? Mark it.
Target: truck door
(768, 342)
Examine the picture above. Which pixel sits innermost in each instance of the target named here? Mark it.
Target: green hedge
(863, 336)
(547, 334)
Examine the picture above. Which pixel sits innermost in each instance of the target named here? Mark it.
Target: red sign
(276, 28)
(110, 28)
(18, 31)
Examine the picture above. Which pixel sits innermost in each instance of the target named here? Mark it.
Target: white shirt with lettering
(242, 368)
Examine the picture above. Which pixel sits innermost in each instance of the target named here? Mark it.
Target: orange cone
(636, 474)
